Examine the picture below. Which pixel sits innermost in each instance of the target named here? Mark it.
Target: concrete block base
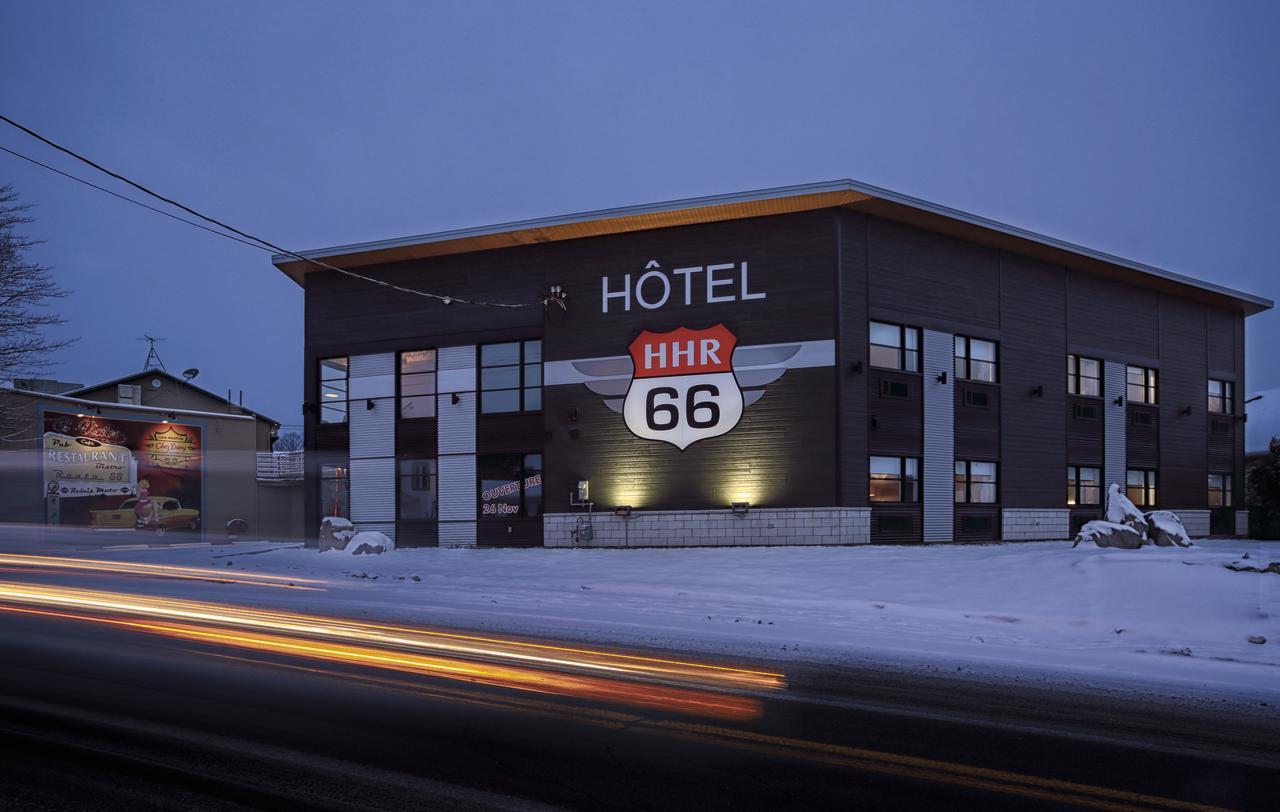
(714, 528)
(1031, 524)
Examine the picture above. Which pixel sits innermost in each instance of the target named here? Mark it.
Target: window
(1086, 411)
(975, 482)
(894, 389)
(418, 384)
(895, 479)
(510, 485)
(1084, 376)
(1084, 485)
(511, 377)
(335, 486)
(1143, 418)
(895, 347)
(1219, 490)
(417, 489)
(1140, 487)
(1140, 385)
(333, 390)
(1222, 397)
(975, 359)
(978, 399)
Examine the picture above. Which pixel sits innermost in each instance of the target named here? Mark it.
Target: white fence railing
(280, 465)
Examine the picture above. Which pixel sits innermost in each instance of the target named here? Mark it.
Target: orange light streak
(158, 570)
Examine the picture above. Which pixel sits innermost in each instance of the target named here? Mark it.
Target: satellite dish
(190, 373)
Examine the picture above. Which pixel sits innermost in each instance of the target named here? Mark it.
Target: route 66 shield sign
(683, 388)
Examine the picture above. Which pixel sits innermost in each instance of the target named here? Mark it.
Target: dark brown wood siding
(1183, 377)
(1142, 436)
(852, 350)
(977, 421)
(1085, 430)
(896, 424)
(1117, 320)
(919, 272)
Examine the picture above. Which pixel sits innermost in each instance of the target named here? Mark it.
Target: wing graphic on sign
(755, 368)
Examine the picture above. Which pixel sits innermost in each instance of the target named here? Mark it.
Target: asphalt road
(93, 717)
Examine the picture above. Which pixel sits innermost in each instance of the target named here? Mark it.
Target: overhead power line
(235, 231)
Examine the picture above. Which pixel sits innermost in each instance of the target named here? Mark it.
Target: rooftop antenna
(153, 357)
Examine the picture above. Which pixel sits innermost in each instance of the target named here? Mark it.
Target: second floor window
(333, 390)
(895, 347)
(1219, 490)
(894, 479)
(1140, 385)
(418, 384)
(975, 359)
(1140, 487)
(1222, 397)
(1084, 485)
(1084, 376)
(511, 377)
(975, 482)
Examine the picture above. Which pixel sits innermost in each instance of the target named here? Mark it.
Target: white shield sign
(683, 388)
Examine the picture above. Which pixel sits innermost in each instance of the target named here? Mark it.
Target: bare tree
(289, 441)
(26, 291)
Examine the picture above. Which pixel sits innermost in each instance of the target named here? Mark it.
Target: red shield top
(683, 352)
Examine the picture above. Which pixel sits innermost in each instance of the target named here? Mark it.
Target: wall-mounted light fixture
(740, 508)
(942, 377)
(622, 511)
(455, 399)
(875, 422)
(1038, 392)
(855, 368)
(1119, 401)
(573, 414)
(368, 404)
(1185, 410)
(171, 416)
(308, 407)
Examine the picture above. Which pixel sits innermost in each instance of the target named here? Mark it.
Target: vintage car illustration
(169, 514)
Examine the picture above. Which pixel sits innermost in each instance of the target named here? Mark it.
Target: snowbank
(1165, 529)
(366, 542)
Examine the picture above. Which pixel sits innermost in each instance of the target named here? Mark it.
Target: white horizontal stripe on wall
(457, 487)
(387, 529)
(806, 354)
(372, 431)
(1113, 426)
(939, 436)
(456, 369)
(370, 366)
(373, 490)
(456, 424)
(457, 534)
(374, 386)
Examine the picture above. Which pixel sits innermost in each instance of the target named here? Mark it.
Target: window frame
(524, 483)
(902, 349)
(1226, 397)
(903, 477)
(522, 366)
(1076, 486)
(331, 403)
(401, 476)
(1224, 491)
(344, 477)
(965, 483)
(1075, 375)
(401, 375)
(1149, 488)
(964, 361)
(1149, 385)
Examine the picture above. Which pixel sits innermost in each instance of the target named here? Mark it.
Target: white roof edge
(128, 406)
(770, 193)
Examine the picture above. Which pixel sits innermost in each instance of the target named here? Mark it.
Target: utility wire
(277, 249)
(128, 199)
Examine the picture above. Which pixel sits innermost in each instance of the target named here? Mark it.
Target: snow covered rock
(1110, 534)
(1165, 529)
(335, 532)
(1121, 511)
(368, 542)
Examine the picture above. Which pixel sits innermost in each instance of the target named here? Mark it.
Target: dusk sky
(1141, 129)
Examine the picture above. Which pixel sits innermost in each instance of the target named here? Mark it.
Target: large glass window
(975, 359)
(975, 482)
(418, 384)
(1222, 397)
(1140, 385)
(511, 377)
(895, 479)
(418, 489)
(1084, 376)
(895, 347)
(1140, 487)
(335, 488)
(510, 485)
(1084, 485)
(333, 390)
(1219, 490)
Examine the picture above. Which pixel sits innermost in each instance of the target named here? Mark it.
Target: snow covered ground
(1174, 621)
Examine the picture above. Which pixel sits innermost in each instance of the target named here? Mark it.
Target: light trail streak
(157, 570)
(489, 648)
(520, 678)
